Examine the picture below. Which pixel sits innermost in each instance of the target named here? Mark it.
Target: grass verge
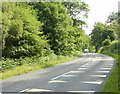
(112, 84)
(18, 70)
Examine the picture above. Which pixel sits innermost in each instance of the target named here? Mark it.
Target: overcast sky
(99, 11)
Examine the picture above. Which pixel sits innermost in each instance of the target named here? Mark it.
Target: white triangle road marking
(56, 81)
(82, 68)
(76, 71)
(93, 82)
(38, 90)
(82, 91)
(105, 68)
(68, 75)
(103, 71)
(98, 75)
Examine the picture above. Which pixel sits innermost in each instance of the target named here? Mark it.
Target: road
(86, 74)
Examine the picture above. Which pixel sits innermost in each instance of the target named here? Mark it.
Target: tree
(57, 24)
(100, 33)
(113, 21)
(78, 11)
(96, 38)
(106, 42)
(22, 33)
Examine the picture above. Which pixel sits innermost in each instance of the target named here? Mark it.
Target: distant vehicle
(86, 50)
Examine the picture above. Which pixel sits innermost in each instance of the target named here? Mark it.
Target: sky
(99, 11)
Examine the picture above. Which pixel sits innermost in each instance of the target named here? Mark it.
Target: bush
(114, 48)
(76, 53)
(28, 61)
(8, 63)
(22, 34)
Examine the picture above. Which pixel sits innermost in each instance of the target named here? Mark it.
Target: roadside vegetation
(105, 38)
(22, 66)
(37, 35)
(112, 84)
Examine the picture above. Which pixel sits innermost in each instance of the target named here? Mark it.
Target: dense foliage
(59, 27)
(40, 29)
(21, 32)
(105, 37)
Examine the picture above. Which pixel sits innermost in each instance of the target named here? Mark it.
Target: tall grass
(14, 67)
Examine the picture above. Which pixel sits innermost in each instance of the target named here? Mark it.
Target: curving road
(86, 74)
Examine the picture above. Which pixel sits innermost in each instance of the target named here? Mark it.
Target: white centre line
(59, 76)
(87, 66)
(25, 90)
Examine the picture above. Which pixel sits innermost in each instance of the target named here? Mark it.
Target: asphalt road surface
(86, 74)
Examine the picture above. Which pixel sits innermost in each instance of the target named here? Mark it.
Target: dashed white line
(64, 75)
(86, 66)
(55, 78)
(25, 90)
(59, 76)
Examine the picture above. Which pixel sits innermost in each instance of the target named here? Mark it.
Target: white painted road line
(93, 82)
(56, 81)
(82, 91)
(68, 75)
(76, 71)
(25, 90)
(107, 65)
(55, 78)
(87, 66)
(98, 75)
(83, 68)
(107, 59)
(110, 64)
(103, 71)
(60, 75)
(38, 90)
(105, 68)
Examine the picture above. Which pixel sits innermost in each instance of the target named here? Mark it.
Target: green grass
(18, 70)
(113, 81)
